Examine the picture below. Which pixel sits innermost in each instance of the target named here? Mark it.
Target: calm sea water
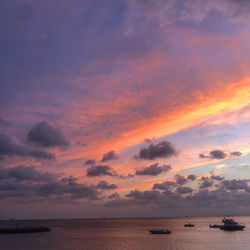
(129, 234)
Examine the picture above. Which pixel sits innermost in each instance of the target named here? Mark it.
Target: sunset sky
(124, 108)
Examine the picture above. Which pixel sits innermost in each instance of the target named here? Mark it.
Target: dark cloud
(100, 170)
(60, 188)
(8, 148)
(220, 155)
(153, 170)
(114, 196)
(230, 196)
(217, 177)
(42, 134)
(203, 156)
(40, 154)
(70, 180)
(236, 185)
(26, 173)
(206, 182)
(144, 195)
(235, 154)
(217, 154)
(165, 185)
(240, 6)
(184, 190)
(90, 162)
(22, 173)
(191, 177)
(105, 185)
(163, 149)
(109, 156)
(30, 183)
(181, 180)
(125, 176)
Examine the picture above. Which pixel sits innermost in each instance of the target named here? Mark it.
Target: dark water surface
(129, 234)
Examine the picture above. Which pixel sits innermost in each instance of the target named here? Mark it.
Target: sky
(124, 108)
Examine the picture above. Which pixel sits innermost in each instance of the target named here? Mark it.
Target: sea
(129, 234)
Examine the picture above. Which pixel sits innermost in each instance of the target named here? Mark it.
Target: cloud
(23, 173)
(42, 134)
(125, 176)
(217, 177)
(27, 182)
(236, 185)
(144, 195)
(220, 155)
(100, 170)
(165, 185)
(7, 148)
(109, 156)
(153, 170)
(60, 189)
(235, 154)
(163, 149)
(181, 180)
(90, 162)
(191, 177)
(105, 185)
(230, 196)
(70, 180)
(206, 182)
(217, 154)
(114, 196)
(184, 190)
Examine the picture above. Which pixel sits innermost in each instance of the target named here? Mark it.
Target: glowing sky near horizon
(81, 79)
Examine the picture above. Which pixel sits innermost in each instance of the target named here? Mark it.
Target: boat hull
(232, 228)
(159, 232)
(23, 230)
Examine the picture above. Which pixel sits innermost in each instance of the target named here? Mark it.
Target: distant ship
(189, 225)
(229, 225)
(21, 230)
(160, 231)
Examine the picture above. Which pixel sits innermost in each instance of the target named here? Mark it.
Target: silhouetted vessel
(21, 230)
(215, 226)
(189, 225)
(231, 225)
(228, 224)
(160, 231)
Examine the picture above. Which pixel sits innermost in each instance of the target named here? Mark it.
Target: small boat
(189, 225)
(160, 231)
(20, 230)
(231, 225)
(215, 226)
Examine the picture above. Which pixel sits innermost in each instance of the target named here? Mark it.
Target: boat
(189, 225)
(215, 226)
(160, 231)
(231, 225)
(19, 230)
